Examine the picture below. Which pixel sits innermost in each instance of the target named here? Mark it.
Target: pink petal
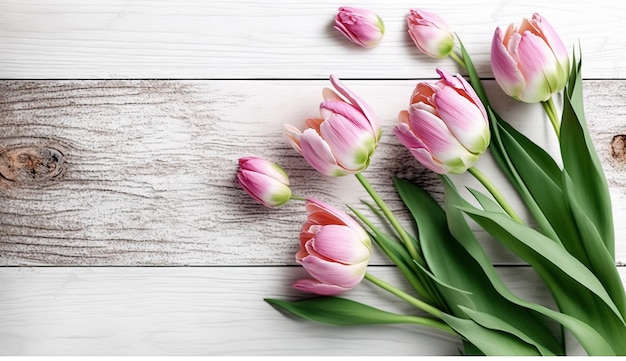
(407, 137)
(504, 67)
(334, 273)
(264, 166)
(319, 155)
(266, 190)
(357, 102)
(324, 214)
(426, 159)
(464, 119)
(328, 107)
(472, 96)
(540, 69)
(440, 143)
(424, 17)
(433, 41)
(315, 286)
(351, 146)
(292, 135)
(431, 130)
(423, 93)
(417, 148)
(552, 38)
(341, 244)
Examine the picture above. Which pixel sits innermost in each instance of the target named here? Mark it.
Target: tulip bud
(334, 250)
(430, 33)
(363, 27)
(264, 181)
(344, 139)
(446, 128)
(530, 63)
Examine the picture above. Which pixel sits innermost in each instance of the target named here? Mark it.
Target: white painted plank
(199, 311)
(271, 39)
(148, 168)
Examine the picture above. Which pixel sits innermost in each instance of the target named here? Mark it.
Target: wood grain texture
(143, 172)
(271, 39)
(190, 311)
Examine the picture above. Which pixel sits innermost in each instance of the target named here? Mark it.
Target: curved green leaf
(539, 251)
(602, 264)
(339, 311)
(581, 162)
(452, 265)
(490, 342)
(589, 338)
(490, 321)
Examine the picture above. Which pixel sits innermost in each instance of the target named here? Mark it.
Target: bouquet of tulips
(448, 125)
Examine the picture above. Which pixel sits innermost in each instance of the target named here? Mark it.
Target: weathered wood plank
(190, 311)
(270, 39)
(143, 172)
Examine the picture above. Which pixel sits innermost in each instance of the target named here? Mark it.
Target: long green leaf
(488, 341)
(452, 265)
(589, 338)
(581, 162)
(542, 178)
(601, 261)
(339, 311)
(492, 322)
(539, 251)
(506, 164)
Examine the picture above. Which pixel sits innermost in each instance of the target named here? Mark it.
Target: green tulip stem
(297, 198)
(404, 296)
(408, 243)
(550, 109)
(458, 59)
(499, 197)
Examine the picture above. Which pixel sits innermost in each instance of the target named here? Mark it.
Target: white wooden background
(133, 238)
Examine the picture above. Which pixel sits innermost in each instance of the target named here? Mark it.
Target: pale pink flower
(446, 127)
(430, 33)
(362, 26)
(264, 181)
(334, 250)
(343, 140)
(529, 62)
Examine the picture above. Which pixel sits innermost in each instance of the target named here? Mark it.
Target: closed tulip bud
(430, 33)
(343, 140)
(363, 27)
(529, 62)
(334, 250)
(264, 181)
(446, 127)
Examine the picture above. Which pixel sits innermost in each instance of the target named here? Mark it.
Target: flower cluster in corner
(449, 124)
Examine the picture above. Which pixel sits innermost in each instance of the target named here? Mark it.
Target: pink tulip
(363, 27)
(344, 139)
(530, 62)
(264, 181)
(334, 250)
(430, 33)
(446, 128)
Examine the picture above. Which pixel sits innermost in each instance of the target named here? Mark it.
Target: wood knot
(618, 147)
(29, 164)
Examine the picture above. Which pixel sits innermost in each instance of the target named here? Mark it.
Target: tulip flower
(430, 33)
(363, 27)
(529, 62)
(446, 127)
(264, 181)
(334, 250)
(343, 140)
